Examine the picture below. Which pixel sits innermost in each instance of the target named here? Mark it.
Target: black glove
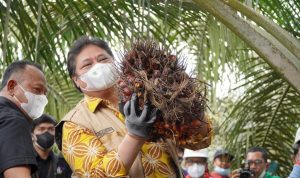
(139, 123)
(121, 108)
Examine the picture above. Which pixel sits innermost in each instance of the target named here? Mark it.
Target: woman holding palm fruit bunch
(98, 141)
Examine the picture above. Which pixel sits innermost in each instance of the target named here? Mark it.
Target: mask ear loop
(82, 80)
(23, 91)
(17, 99)
(21, 87)
(33, 137)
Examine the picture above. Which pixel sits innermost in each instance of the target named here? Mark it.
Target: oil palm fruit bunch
(159, 78)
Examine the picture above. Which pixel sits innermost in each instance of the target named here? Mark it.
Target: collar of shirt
(5, 102)
(51, 155)
(94, 102)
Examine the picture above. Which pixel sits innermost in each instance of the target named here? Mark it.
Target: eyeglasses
(256, 162)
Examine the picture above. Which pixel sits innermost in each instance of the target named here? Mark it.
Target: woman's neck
(110, 94)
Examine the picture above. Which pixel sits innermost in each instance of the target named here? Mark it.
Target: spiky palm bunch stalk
(160, 78)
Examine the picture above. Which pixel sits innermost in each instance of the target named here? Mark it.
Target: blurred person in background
(22, 99)
(50, 165)
(179, 152)
(257, 161)
(296, 156)
(222, 164)
(195, 163)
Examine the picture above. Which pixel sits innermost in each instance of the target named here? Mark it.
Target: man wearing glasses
(257, 162)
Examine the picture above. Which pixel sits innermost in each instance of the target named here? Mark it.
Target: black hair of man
(259, 149)
(15, 67)
(296, 147)
(78, 46)
(45, 118)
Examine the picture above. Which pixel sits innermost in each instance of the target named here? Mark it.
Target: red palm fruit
(172, 58)
(126, 91)
(122, 84)
(159, 77)
(156, 73)
(174, 127)
(196, 123)
(138, 85)
(159, 125)
(182, 142)
(167, 126)
(184, 128)
(130, 78)
(155, 66)
(119, 81)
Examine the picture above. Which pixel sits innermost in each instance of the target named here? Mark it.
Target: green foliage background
(262, 107)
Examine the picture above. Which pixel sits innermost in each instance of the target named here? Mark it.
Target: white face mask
(222, 171)
(100, 77)
(196, 170)
(36, 104)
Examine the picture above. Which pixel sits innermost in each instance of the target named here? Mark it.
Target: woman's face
(223, 162)
(89, 56)
(86, 59)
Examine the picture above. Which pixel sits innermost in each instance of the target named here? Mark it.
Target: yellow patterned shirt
(88, 157)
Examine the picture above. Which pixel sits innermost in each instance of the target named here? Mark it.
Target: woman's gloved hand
(139, 123)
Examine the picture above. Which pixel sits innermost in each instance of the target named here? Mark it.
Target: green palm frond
(216, 33)
(267, 115)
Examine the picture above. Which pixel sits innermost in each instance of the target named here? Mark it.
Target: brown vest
(109, 130)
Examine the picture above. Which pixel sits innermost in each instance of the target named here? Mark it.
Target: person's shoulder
(275, 176)
(269, 175)
(73, 112)
(14, 119)
(6, 105)
(3, 100)
(8, 108)
(215, 175)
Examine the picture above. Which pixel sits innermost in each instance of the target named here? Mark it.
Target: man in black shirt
(22, 98)
(50, 165)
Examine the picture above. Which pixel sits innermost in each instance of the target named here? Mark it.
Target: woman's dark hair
(79, 45)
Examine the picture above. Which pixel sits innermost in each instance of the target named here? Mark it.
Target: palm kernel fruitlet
(160, 78)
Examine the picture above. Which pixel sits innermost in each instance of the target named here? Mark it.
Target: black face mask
(45, 140)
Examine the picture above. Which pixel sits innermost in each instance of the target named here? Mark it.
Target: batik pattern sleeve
(87, 156)
(156, 161)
